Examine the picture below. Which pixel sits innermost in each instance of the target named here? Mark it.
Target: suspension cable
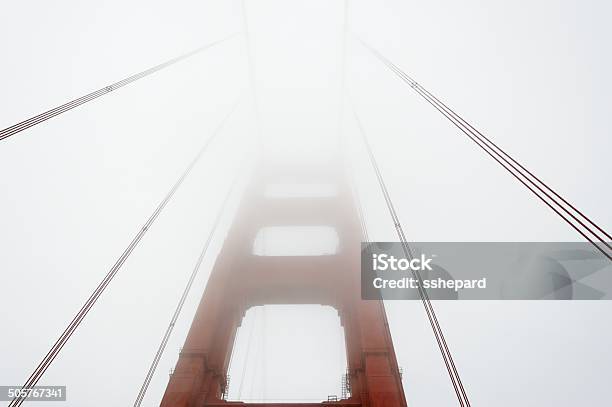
(517, 170)
(39, 118)
(78, 318)
(429, 310)
(179, 307)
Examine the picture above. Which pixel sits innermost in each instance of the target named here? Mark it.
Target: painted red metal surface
(240, 280)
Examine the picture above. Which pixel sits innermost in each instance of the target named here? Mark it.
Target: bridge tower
(241, 279)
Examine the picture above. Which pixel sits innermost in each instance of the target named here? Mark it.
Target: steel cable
(511, 165)
(183, 298)
(39, 118)
(78, 318)
(429, 310)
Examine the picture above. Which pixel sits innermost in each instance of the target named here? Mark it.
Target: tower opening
(288, 353)
(295, 241)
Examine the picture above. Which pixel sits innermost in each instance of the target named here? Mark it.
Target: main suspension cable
(179, 307)
(517, 170)
(429, 310)
(39, 118)
(78, 318)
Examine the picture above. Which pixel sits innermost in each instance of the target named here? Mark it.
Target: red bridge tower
(241, 279)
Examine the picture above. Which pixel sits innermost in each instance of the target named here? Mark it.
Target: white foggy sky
(532, 74)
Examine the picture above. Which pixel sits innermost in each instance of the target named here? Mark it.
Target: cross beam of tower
(241, 279)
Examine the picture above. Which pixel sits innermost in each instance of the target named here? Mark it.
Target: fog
(77, 188)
